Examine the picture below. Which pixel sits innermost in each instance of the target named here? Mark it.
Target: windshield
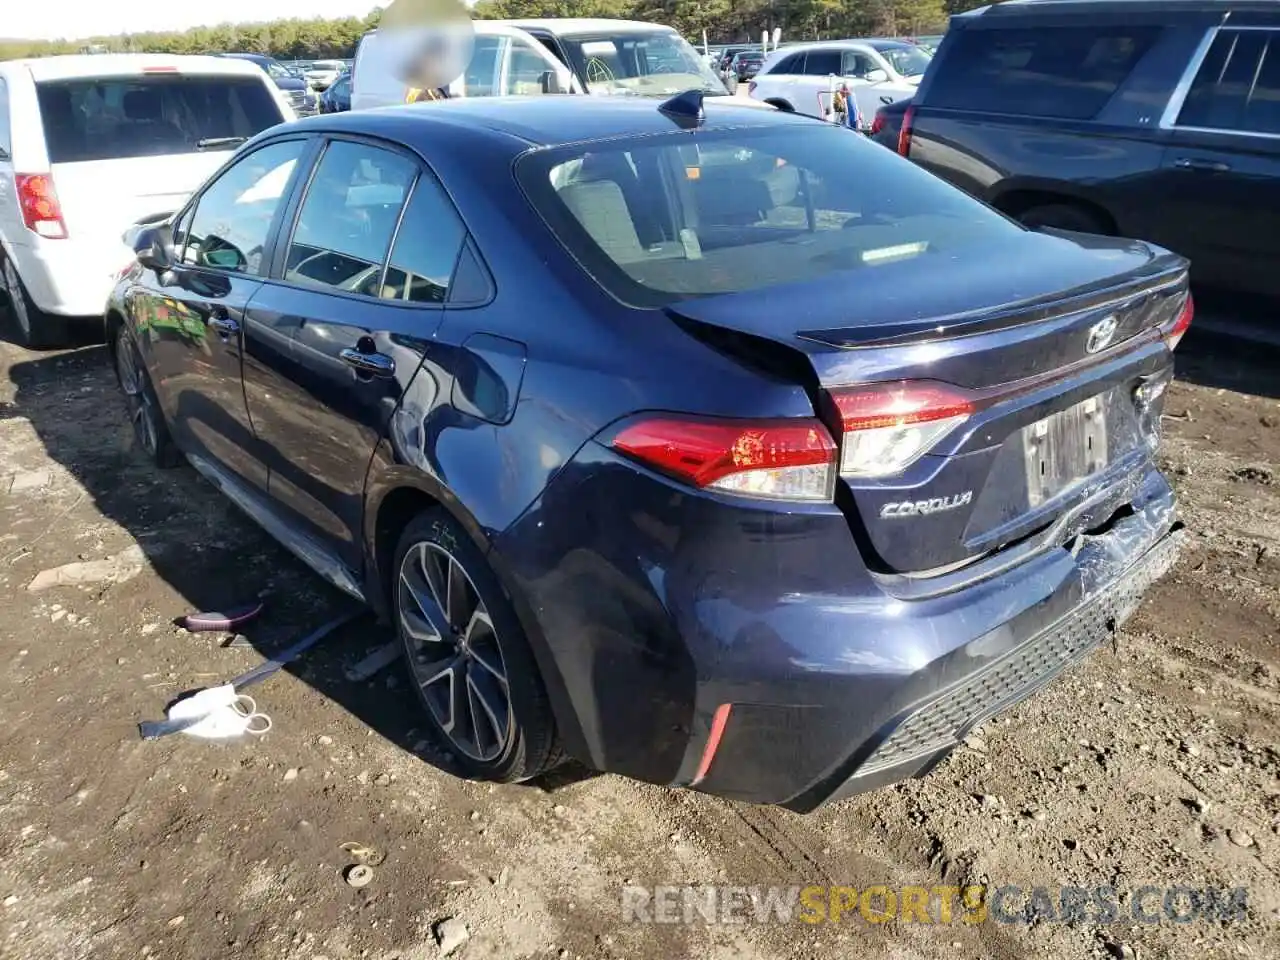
(656, 64)
(698, 213)
(276, 71)
(907, 61)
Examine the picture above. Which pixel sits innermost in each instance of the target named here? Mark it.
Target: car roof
(72, 66)
(539, 121)
(583, 26)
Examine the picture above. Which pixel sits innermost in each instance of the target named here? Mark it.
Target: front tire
(35, 328)
(143, 406)
(467, 655)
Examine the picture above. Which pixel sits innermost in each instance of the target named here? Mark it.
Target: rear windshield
(700, 213)
(120, 117)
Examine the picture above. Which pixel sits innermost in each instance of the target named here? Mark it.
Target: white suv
(89, 145)
(801, 78)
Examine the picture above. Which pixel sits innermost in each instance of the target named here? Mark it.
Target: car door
(10, 222)
(360, 284)
(190, 320)
(1221, 169)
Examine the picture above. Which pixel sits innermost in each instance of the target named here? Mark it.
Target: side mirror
(553, 82)
(153, 245)
(876, 76)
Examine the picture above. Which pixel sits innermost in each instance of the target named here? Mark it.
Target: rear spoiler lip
(1165, 271)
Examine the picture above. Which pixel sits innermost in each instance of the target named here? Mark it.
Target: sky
(73, 19)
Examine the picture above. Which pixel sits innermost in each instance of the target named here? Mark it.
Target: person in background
(414, 95)
(840, 105)
(847, 113)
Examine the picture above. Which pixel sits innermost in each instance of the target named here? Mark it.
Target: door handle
(1212, 166)
(225, 326)
(370, 364)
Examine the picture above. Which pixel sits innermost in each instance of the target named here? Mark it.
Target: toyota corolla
(710, 446)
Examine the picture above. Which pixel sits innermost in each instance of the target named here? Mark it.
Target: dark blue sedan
(708, 445)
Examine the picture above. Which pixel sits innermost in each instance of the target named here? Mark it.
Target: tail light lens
(771, 459)
(877, 123)
(904, 134)
(38, 201)
(889, 426)
(1174, 333)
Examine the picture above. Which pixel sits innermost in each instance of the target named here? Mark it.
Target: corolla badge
(1100, 335)
(919, 508)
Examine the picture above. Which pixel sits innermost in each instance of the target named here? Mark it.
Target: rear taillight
(1174, 333)
(41, 211)
(888, 426)
(772, 459)
(904, 134)
(877, 123)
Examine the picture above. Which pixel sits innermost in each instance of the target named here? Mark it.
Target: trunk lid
(1046, 359)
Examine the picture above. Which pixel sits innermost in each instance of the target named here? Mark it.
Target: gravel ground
(1153, 764)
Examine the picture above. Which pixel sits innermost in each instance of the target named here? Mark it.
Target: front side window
(1238, 85)
(526, 69)
(232, 219)
(146, 116)
(907, 61)
(348, 218)
(857, 65)
(696, 214)
(1061, 72)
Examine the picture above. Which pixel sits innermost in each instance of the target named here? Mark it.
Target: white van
(506, 61)
(568, 55)
(89, 145)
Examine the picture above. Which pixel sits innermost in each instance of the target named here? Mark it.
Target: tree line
(724, 21)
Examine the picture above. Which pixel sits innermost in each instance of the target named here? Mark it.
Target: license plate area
(1065, 449)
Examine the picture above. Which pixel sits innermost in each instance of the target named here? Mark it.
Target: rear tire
(467, 655)
(35, 328)
(140, 399)
(1064, 216)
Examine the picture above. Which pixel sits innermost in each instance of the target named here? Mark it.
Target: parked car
(728, 53)
(1111, 118)
(800, 78)
(294, 88)
(855, 525)
(744, 66)
(886, 126)
(337, 96)
(322, 73)
(89, 144)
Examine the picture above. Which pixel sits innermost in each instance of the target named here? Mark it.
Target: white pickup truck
(800, 78)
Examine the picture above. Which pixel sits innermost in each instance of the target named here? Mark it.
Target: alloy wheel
(137, 398)
(17, 299)
(454, 652)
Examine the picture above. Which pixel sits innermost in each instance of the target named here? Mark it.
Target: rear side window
(695, 214)
(793, 64)
(146, 116)
(348, 218)
(1238, 85)
(426, 247)
(1063, 72)
(822, 63)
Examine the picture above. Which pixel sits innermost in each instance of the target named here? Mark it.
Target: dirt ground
(1154, 764)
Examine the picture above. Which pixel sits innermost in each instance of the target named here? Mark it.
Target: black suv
(1129, 117)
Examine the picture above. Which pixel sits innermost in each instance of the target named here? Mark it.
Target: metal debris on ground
(381, 658)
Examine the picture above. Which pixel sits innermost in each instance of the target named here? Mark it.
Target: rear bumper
(651, 608)
(71, 278)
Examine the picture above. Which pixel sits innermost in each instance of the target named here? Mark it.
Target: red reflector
(718, 723)
(877, 123)
(782, 459)
(41, 212)
(904, 134)
(1180, 326)
(899, 404)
